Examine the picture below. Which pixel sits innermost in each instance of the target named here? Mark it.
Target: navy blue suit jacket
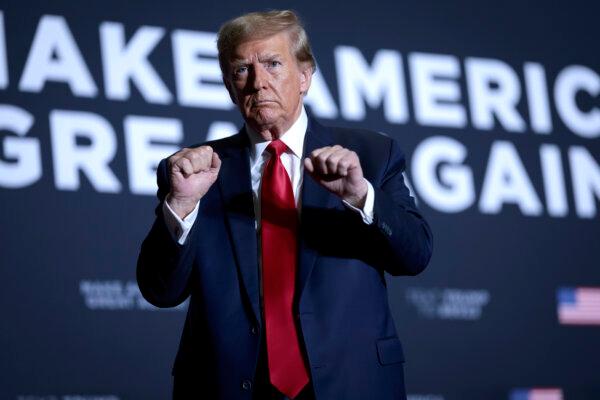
(348, 334)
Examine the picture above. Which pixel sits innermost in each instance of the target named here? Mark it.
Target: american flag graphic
(536, 394)
(579, 306)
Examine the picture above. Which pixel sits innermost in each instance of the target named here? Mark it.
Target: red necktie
(279, 224)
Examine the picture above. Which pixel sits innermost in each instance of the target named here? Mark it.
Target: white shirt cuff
(367, 211)
(179, 228)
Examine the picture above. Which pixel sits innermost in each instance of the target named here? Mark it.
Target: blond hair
(261, 25)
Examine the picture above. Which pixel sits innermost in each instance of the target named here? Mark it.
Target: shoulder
(360, 137)
(240, 139)
(365, 142)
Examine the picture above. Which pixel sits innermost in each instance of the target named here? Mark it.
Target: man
(281, 235)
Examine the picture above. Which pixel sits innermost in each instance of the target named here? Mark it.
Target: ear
(306, 72)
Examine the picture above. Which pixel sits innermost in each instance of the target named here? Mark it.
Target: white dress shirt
(293, 164)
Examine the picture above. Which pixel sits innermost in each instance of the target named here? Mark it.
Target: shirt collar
(293, 138)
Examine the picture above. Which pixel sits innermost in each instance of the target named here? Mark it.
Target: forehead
(278, 44)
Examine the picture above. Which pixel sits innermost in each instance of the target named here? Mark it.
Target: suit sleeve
(403, 240)
(164, 266)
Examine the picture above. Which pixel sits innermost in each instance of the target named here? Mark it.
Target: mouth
(261, 103)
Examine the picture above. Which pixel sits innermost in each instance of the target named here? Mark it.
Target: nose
(260, 77)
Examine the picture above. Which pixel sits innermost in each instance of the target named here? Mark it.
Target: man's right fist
(192, 172)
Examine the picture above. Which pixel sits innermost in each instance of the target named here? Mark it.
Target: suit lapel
(236, 189)
(314, 197)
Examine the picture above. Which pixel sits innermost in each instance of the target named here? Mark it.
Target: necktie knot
(276, 147)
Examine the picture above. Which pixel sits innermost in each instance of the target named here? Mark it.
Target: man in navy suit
(280, 235)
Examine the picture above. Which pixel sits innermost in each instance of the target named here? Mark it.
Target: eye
(240, 70)
(273, 64)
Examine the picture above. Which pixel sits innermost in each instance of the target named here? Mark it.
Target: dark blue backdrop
(511, 189)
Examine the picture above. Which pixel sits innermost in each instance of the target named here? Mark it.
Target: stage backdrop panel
(496, 105)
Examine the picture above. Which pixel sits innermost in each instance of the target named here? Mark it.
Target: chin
(263, 117)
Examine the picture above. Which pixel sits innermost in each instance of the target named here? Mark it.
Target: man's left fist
(338, 170)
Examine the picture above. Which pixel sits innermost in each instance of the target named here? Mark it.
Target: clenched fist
(338, 170)
(192, 172)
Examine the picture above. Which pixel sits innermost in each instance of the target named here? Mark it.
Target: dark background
(52, 240)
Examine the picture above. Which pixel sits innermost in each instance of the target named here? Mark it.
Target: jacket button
(254, 330)
(386, 228)
(246, 384)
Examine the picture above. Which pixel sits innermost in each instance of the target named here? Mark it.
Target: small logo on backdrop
(536, 394)
(424, 397)
(116, 295)
(449, 303)
(578, 306)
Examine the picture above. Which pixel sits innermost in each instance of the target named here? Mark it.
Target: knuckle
(185, 160)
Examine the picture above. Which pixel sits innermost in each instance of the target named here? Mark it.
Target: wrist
(358, 199)
(181, 206)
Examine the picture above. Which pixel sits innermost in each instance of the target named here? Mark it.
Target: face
(267, 83)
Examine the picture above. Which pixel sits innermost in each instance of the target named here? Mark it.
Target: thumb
(308, 164)
(216, 161)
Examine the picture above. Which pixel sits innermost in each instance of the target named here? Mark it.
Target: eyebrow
(261, 57)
